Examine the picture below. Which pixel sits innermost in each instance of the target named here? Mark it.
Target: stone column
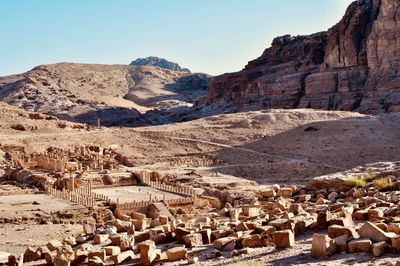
(72, 183)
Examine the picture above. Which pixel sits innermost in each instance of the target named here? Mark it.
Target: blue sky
(212, 36)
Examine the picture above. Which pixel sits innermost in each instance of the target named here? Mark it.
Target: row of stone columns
(71, 196)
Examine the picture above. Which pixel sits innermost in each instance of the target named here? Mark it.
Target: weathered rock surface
(352, 66)
(116, 94)
(158, 62)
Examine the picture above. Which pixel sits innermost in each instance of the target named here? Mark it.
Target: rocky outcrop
(116, 94)
(158, 62)
(353, 66)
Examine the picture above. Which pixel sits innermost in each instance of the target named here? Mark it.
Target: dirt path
(286, 158)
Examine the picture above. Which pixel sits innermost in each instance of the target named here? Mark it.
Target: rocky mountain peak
(158, 62)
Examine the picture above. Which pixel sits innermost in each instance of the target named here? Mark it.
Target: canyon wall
(353, 66)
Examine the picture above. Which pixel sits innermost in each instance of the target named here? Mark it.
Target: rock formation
(158, 62)
(116, 94)
(352, 66)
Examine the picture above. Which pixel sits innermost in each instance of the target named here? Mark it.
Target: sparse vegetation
(384, 184)
(354, 181)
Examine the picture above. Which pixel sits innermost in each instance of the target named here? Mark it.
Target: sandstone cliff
(353, 66)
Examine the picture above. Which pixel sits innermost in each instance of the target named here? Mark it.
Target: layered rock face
(353, 66)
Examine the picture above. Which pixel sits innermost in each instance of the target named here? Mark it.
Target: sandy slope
(268, 146)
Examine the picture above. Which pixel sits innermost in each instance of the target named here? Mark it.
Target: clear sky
(212, 36)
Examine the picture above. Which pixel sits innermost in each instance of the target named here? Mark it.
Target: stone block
(122, 257)
(225, 243)
(338, 230)
(148, 252)
(97, 253)
(269, 192)
(193, 240)
(395, 242)
(360, 215)
(126, 242)
(206, 236)
(100, 238)
(380, 248)
(252, 241)
(371, 231)
(341, 243)
(180, 232)
(88, 229)
(140, 224)
(176, 253)
(53, 244)
(374, 214)
(360, 245)
(285, 192)
(112, 250)
(322, 246)
(283, 239)
(31, 254)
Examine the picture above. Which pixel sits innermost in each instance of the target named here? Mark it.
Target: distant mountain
(117, 94)
(158, 62)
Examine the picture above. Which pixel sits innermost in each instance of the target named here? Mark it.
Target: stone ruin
(345, 220)
(84, 158)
